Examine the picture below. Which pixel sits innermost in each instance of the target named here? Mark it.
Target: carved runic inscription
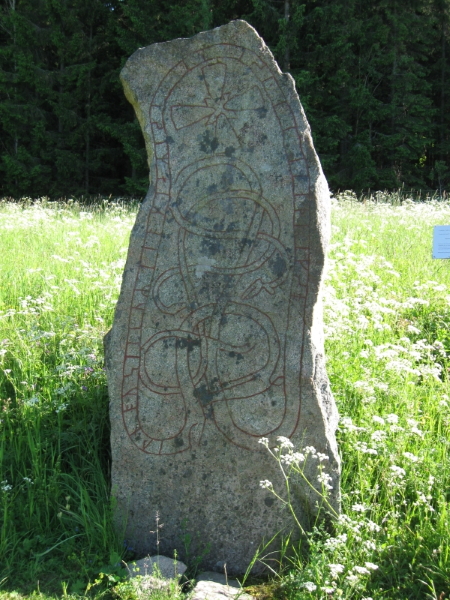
(217, 334)
(209, 321)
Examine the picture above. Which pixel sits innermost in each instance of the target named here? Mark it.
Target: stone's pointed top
(232, 32)
(217, 335)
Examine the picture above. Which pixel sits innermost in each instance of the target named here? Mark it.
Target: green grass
(387, 314)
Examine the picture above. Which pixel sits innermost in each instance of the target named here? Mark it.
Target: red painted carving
(202, 343)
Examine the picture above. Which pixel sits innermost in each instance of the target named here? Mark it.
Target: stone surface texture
(217, 335)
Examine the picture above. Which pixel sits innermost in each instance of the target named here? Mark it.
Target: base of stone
(157, 572)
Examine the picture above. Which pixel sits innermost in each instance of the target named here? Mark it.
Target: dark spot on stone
(188, 343)
(262, 112)
(223, 320)
(278, 266)
(178, 441)
(238, 356)
(162, 472)
(211, 246)
(208, 143)
(268, 501)
(229, 151)
(169, 140)
(273, 403)
(247, 242)
(211, 189)
(227, 179)
(204, 476)
(219, 226)
(203, 394)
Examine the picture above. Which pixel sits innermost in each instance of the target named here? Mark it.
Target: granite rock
(217, 335)
(212, 590)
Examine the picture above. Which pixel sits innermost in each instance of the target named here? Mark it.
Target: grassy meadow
(387, 324)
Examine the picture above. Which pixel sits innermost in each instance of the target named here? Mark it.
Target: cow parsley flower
(309, 586)
(361, 570)
(398, 471)
(285, 442)
(325, 480)
(336, 569)
(265, 484)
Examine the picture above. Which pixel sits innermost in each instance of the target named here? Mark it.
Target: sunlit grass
(387, 315)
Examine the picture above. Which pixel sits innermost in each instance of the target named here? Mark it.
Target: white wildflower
(417, 431)
(285, 442)
(293, 459)
(327, 590)
(321, 457)
(411, 457)
(369, 545)
(398, 471)
(325, 480)
(266, 484)
(309, 586)
(361, 570)
(360, 508)
(371, 526)
(378, 419)
(336, 569)
(412, 329)
(371, 566)
(310, 450)
(378, 436)
(392, 418)
(362, 447)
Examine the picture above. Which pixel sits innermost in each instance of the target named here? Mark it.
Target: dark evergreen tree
(22, 113)
(373, 78)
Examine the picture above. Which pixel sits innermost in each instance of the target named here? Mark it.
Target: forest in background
(373, 77)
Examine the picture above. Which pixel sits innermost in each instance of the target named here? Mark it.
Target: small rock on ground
(215, 586)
